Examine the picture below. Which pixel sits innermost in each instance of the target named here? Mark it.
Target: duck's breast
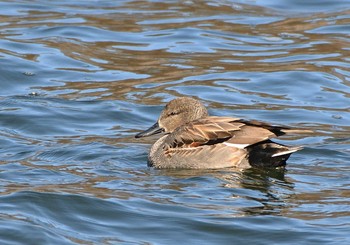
(200, 157)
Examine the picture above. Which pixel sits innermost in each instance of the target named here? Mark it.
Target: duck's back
(219, 142)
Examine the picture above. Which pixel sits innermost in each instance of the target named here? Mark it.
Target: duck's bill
(155, 129)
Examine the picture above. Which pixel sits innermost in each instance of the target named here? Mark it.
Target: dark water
(79, 78)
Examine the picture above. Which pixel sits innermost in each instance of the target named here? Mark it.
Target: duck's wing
(232, 131)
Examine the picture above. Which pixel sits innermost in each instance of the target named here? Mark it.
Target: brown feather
(213, 129)
(195, 140)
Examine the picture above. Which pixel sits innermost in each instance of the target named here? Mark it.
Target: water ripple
(80, 79)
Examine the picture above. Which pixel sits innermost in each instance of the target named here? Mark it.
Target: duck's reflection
(245, 192)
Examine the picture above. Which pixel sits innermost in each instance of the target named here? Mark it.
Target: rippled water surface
(80, 78)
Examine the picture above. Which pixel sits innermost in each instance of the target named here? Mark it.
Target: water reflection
(265, 191)
(79, 79)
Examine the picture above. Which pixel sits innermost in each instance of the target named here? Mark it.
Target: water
(80, 79)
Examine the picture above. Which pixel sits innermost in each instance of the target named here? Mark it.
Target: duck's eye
(173, 113)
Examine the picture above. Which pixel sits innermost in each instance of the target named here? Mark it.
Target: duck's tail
(286, 151)
(296, 131)
(269, 154)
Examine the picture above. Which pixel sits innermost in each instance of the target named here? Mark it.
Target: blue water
(80, 79)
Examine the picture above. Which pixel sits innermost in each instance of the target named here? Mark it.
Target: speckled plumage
(195, 140)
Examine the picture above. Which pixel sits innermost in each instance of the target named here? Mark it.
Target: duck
(192, 139)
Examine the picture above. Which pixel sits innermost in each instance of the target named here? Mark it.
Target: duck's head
(176, 113)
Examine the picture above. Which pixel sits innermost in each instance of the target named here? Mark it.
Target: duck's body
(195, 140)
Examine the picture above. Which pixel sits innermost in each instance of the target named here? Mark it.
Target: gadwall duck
(195, 140)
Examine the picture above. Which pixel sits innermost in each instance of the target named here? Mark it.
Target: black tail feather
(269, 154)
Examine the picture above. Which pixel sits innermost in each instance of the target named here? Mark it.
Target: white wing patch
(239, 146)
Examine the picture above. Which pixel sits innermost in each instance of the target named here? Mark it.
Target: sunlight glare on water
(80, 79)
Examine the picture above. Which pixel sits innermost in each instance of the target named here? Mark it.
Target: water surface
(80, 79)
